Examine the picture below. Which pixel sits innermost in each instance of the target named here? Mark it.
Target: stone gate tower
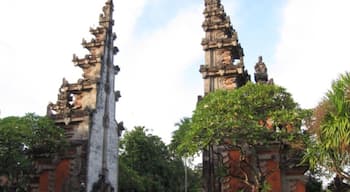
(224, 63)
(224, 69)
(86, 111)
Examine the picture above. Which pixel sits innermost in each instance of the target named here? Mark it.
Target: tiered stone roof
(223, 52)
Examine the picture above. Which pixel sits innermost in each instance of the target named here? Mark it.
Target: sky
(304, 43)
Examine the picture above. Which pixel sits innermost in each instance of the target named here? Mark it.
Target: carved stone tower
(224, 64)
(86, 111)
(223, 69)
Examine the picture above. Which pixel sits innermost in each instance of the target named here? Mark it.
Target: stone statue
(260, 74)
(260, 66)
(49, 109)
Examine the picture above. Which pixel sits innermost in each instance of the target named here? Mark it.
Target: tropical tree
(244, 119)
(191, 182)
(146, 164)
(146, 156)
(178, 136)
(330, 147)
(20, 139)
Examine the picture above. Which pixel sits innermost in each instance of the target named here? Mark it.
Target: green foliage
(129, 178)
(178, 136)
(146, 164)
(20, 139)
(246, 114)
(330, 147)
(191, 176)
(244, 119)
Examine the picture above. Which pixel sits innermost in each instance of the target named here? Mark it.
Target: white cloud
(126, 15)
(152, 79)
(37, 41)
(313, 48)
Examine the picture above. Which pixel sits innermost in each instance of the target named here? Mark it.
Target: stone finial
(106, 16)
(64, 82)
(211, 2)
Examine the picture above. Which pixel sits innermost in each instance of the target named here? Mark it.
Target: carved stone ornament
(224, 57)
(229, 83)
(220, 35)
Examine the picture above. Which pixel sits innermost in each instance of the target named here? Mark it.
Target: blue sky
(304, 44)
(258, 25)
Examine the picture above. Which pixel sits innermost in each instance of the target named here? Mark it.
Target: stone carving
(63, 100)
(229, 83)
(220, 35)
(77, 110)
(224, 57)
(116, 69)
(77, 102)
(117, 95)
(68, 99)
(89, 63)
(121, 128)
(260, 74)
